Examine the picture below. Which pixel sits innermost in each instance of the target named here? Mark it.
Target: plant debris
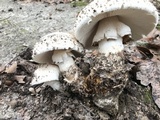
(11, 68)
(146, 59)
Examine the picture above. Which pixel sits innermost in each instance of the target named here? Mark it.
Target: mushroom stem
(54, 84)
(110, 46)
(47, 73)
(66, 64)
(63, 59)
(109, 35)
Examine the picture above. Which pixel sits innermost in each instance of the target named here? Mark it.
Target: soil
(20, 101)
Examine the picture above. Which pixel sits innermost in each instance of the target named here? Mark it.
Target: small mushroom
(47, 74)
(107, 22)
(59, 48)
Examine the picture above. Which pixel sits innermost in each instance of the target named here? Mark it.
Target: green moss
(148, 97)
(23, 31)
(78, 3)
(141, 43)
(5, 22)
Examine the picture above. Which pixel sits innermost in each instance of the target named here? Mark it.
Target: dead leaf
(132, 54)
(153, 46)
(20, 78)
(8, 82)
(2, 68)
(144, 73)
(156, 92)
(154, 34)
(11, 68)
(95, 52)
(145, 52)
(149, 73)
(150, 51)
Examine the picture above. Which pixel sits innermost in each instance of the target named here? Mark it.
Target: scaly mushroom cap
(43, 50)
(140, 15)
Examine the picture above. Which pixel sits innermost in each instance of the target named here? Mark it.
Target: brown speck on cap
(43, 49)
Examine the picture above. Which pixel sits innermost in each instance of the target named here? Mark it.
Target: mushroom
(47, 74)
(107, 22)
(59, 48)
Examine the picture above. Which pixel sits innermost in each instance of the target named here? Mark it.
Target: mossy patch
(4, 22)
(78, 3)
(147, 96)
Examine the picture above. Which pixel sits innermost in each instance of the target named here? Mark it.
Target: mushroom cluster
(104, 25)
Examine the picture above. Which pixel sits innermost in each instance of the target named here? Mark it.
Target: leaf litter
(146, 59)
(45, 100)
(18, 74)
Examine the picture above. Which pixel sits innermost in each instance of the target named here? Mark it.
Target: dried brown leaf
(149, 73)
(145, 52)
(2, 68)
(11, 68)
(153, 35)
(20, 78)
(153, 46)
(150, 53)
(132, 54)
(156, 92)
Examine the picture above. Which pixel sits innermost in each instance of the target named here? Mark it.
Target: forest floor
(21, 26)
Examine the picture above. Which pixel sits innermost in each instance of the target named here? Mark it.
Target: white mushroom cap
(46, 73)
(43, 50)
(140, 15)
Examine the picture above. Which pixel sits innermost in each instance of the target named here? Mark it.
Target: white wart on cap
(136, 18)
